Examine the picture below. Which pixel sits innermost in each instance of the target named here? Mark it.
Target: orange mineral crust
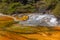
(56, 28)
(5, 18)
(47, 35)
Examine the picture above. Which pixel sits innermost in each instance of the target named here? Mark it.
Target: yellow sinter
(23, 18)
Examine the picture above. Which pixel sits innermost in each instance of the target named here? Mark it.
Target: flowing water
(40, 20)
(37, 20)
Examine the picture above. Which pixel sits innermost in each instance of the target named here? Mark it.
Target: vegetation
(56, 10)
(30, 6)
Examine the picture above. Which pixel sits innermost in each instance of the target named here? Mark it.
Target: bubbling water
(37, 20)
(40, 20)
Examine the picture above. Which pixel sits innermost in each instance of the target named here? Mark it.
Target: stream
(36, 19)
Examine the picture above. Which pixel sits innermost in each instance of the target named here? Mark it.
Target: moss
(56, 11)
